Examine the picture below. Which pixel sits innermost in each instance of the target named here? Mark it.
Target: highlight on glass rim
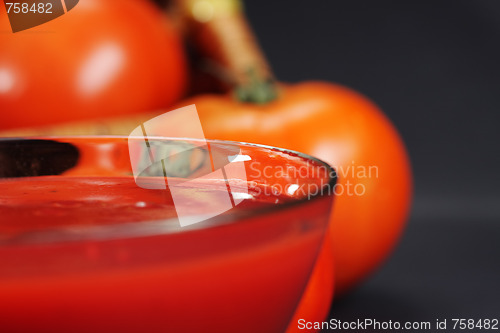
(216, 166)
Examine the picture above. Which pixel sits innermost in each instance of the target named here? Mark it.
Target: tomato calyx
(256, 90)
(225, 39)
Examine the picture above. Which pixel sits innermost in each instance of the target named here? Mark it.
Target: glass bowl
(109, 234)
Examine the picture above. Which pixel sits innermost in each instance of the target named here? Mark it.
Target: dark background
(434, 68)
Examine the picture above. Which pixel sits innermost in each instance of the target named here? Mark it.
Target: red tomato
(102, 58)
(346, 130)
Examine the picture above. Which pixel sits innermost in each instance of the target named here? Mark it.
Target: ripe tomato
(102, 58)
(346, 130)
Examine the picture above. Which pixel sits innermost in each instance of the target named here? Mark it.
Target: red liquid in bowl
(68, 262)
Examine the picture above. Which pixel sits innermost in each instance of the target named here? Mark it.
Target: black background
(434, 68)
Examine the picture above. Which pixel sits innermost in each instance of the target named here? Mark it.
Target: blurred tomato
(102, 58)
(349, 132)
